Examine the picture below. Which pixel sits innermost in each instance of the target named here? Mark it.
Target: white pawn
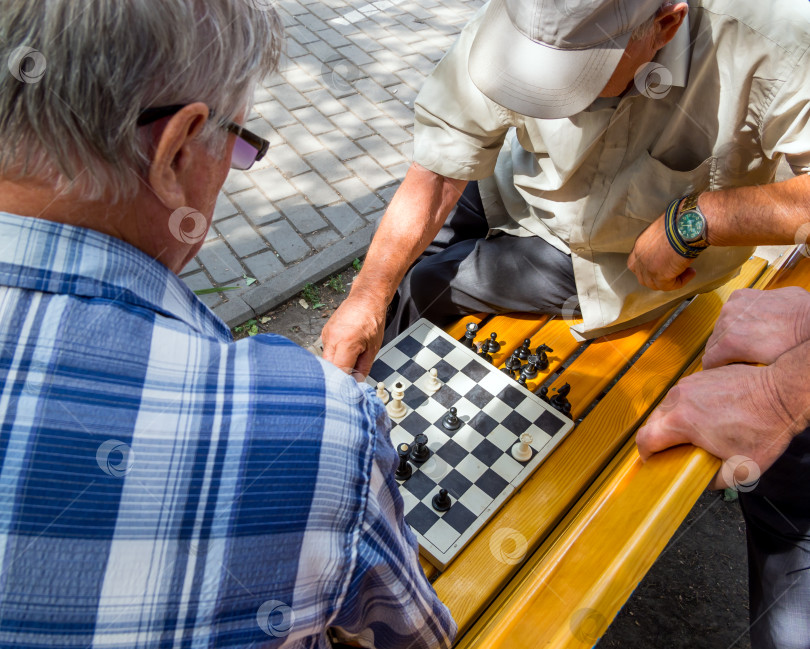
(433, 384)
(396, 409)
(382, 394)
(521, 451)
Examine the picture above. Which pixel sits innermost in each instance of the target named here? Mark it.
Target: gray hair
(81, 71)
(645, 29)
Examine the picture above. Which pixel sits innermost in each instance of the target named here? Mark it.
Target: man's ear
(667, 23)
(173, 154)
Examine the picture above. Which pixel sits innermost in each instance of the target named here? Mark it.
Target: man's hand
(353, 335)
(655, 263)
(759, 326)
(729, 411)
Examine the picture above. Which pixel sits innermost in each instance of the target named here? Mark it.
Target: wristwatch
(686, 227)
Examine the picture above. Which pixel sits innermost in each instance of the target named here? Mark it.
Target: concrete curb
(272, 292)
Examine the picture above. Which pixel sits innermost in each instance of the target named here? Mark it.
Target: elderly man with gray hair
(164, 486)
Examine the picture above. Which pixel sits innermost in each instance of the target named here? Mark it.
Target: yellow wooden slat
(470, 582)
(457, 329)
(599, 364)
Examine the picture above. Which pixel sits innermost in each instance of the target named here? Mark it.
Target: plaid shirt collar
(41, 255)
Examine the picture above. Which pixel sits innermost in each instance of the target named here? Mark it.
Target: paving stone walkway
(339, 117)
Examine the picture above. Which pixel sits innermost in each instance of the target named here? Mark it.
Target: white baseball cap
(551, 58)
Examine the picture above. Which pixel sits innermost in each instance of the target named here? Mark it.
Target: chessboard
(474, 463)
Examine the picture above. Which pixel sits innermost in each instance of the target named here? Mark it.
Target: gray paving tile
(371, 173)
(220, 263)
(354, 54)
(361, 197)
(306, 74)
(372, 90)
(241, 236)
(396, 110)
(404, 93)
(340, 145)
(344, 217)
(199, 282)
(235, 311)
(256, 207)
(289, 96)
(412, 77)
(311, 22)
(301, 34)
(381, 151)
(326, 164)
(190, 267)
(365, 42)
(361, 107)
(315, 189)
(323, 11)
(322, 239)
(300, 139)
(323, 52)
(286, 241)
(272, 184)
(390, 130)
(275, 113)
(301, 214)
(264, 265)
(224, 208)
(406, 148)
(333, 38)
(325, 102)
(399, 171)
(287, 160)
(237, 181)
(313, 120)
(293, 49)
(350, 125)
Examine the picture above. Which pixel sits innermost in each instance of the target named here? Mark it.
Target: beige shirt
(733, 99)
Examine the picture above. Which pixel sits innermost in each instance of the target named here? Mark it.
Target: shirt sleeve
(389, 603)
(786, 123)
(458, 130)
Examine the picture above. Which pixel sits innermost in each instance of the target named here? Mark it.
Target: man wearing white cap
(608, 157)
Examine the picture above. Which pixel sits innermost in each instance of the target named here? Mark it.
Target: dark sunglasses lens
(244, 155)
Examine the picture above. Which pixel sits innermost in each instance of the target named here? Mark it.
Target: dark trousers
(464, 271)
(777, 519)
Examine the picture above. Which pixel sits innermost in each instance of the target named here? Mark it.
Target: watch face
(690, 226)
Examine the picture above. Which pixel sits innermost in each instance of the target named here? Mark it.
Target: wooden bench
(558, 561)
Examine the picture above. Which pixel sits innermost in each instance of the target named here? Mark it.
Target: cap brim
(534, 79)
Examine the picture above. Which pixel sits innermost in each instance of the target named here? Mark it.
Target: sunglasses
(249, 147)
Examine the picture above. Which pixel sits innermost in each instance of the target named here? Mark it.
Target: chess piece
(483, 353)
(433, 384)
(523, 351)
(420, 451)
(522, 381)
(469, 335)
(382, 393)
(513, 362)
(492, 345)
(441, 501)
(396, 409)
(542, 364)
(521, 451)
(559, 401)
(451, 421)
(529, 370)
(404, 470)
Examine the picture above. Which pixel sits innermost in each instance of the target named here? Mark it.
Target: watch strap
(684, 249)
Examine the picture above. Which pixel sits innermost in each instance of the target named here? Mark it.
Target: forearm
(757, 215)
(416, 214)
(788, 381)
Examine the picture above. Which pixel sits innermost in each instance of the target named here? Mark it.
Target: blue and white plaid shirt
(163, 486)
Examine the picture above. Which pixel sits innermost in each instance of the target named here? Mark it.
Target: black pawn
(513, 363)
(529, 370)
(523, 352)
(441, 501)
(522, 381)
(404, 470)
(420, 451)
(483, 354)
(451, 421)
(492, 345)
(469, 336)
